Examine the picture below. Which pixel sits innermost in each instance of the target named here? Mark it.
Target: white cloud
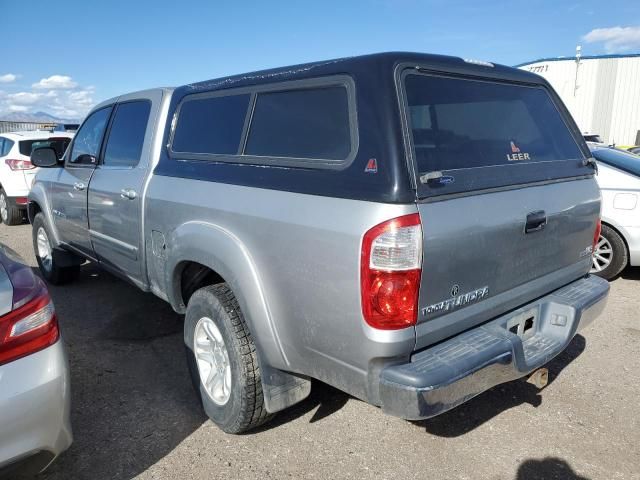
(23, 98)
(71, 104)
(615, 39)
(55, 82)
(8, 78)
(64, 103)
(18, 108)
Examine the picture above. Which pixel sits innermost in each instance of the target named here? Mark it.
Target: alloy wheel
(4, 212)
(44, 249)
(602, 255)
(212, 359)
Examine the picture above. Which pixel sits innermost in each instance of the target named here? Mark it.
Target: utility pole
(578, 56)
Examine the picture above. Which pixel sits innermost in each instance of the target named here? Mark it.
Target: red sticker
(372, 166)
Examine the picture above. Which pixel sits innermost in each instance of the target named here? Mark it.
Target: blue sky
(64, 56)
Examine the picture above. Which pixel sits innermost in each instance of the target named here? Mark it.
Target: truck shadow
(493, 402)
(326, 399)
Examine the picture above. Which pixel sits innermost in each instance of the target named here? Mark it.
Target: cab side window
(86, 145)
(126, 135)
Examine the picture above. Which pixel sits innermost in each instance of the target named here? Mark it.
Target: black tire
(53, 273)
(619, 256)
(10, 214)
(244, 409)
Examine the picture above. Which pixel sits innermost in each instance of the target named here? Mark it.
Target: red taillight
(19, 164)
(28, 329)
(596, 236)
(390, 270)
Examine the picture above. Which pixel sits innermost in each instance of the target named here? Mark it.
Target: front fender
(222, 251)
(38, 196)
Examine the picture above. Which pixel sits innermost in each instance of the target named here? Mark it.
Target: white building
(601, 92)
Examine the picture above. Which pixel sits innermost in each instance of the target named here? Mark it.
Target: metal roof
(583, 57)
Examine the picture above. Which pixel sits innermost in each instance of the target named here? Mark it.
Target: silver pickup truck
(412, 229)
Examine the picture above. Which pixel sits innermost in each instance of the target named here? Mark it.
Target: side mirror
(44, 157)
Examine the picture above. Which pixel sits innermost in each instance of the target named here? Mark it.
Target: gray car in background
(34, 376)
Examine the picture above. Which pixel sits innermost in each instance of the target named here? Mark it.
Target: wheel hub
(3, 207)
(602, 255)
(44, 249)
(212, 359)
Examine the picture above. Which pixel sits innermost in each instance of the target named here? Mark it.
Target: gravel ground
(135, 414)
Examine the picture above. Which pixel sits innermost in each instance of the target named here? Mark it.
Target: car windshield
(628, 162)
(59, 144)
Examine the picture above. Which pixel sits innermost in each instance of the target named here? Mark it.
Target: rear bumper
(34, 410)
(20, 202)
(456, 370)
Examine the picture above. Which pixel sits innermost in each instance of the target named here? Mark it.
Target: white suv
(17, 172)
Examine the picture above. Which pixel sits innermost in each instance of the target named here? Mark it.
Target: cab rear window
(460, 123)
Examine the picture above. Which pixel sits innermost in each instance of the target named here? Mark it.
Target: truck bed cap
(371, 63)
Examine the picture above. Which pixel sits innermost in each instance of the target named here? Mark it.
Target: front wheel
(223, 361)
(43, 249)
(610, 255)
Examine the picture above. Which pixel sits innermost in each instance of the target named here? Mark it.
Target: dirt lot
(135, 415)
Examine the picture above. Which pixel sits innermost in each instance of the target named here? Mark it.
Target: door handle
(79, 186)
(536, 221)
(128, 193)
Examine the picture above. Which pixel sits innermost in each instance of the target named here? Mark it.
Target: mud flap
(64, 258)
(282, 389)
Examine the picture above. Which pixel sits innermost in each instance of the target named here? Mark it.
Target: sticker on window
(516, 155)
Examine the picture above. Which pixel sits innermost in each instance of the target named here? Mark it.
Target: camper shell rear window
(472, 134)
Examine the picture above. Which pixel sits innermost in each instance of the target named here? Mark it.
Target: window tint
(86, 145)
(5, 146)
(306, 123)
(59, 144)
(460, 123)
(126, 136)
(211, 125)
(8, 145)
(627, 162)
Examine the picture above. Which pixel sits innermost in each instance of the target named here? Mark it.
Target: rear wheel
(43, 249)
(610, 255)
(223, 361)
(10, 214)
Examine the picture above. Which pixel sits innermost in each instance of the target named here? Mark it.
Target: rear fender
(219, 249)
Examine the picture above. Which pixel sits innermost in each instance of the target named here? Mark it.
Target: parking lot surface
(135, 415)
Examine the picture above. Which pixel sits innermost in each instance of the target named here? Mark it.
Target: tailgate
(508, 204)
(479, 262)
